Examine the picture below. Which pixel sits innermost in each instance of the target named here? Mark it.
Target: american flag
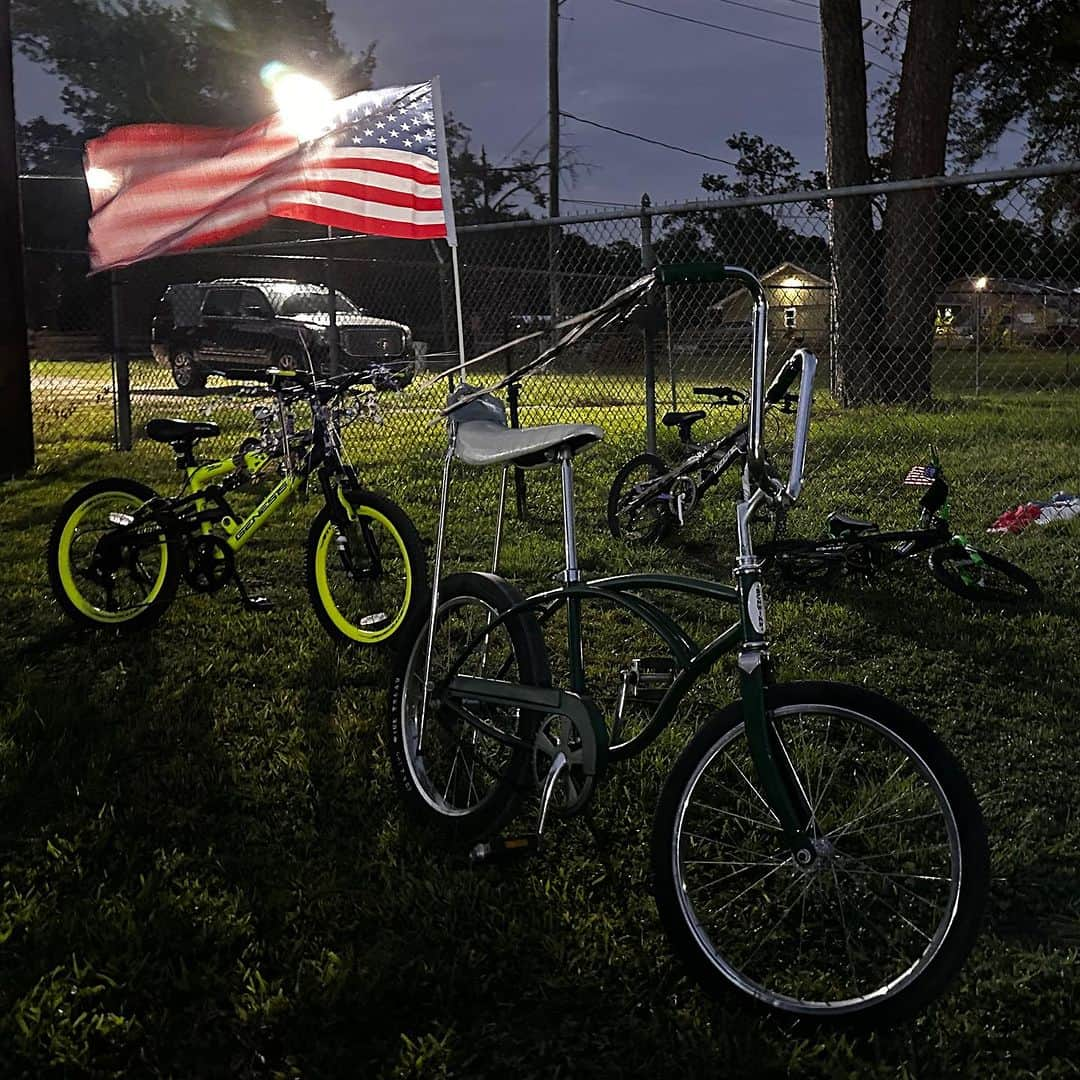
(375, 164)
(921, 476)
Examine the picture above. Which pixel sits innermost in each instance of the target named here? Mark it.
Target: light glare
(98, 179)
(305, 105)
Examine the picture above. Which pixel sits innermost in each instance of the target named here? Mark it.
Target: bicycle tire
(802, 563)
(950, 562)
(351, 606)
(492, 775)
(88, 592)
(734, 934)
(660, 521)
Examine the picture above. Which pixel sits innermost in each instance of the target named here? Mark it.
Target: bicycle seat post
(440, 536)
(571, 573)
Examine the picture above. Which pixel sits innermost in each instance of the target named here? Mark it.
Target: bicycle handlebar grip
(725, 395)
(785, 377)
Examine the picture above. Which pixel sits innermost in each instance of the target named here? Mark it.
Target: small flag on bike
(374, 162)
(921, 476)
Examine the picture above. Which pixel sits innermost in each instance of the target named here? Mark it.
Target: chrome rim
(183, 365)
(459, 769)
(871, 912)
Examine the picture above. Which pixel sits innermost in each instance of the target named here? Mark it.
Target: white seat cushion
(482, 442)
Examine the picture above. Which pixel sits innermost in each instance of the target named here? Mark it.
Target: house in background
(798, 307)
(1003, 311)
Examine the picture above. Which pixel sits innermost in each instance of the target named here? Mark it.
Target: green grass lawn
(205, 870)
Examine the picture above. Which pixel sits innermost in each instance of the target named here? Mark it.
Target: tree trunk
(856, 300)
(911, 218)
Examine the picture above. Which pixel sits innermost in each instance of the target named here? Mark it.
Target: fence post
(16, 410)
(121, 369)
(332, 336)
(648, 261)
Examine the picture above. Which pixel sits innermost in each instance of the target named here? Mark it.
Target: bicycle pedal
(502, 848)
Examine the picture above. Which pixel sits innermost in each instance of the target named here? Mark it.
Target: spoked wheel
(801, 564)
(461, 765)
(368, 579)
(978, 575)
(633, 512)
(884, 915)
(109, 566)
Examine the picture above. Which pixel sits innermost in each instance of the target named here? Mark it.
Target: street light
(304, 104)
(980, 285)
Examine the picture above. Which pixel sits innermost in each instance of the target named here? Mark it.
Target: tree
(855, 258)
(485, 192)
(135, 61)
(895, 364)
(752, 236)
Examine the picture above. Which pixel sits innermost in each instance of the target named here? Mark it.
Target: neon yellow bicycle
(118, 550)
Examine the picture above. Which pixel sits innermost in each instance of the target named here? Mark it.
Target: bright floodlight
(980, 283)
(98, 179)
(304, 103)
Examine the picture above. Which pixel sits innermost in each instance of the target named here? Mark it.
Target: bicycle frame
(203, 492)
(780, 786)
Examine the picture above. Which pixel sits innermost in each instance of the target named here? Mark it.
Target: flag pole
(457, 304)
(448, 210)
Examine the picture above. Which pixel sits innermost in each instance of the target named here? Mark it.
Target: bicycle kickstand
(502, 847)
(252, 603)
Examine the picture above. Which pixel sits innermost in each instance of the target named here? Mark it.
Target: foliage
(198, 62)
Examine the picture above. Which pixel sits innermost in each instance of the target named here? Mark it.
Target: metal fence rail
(954, 311)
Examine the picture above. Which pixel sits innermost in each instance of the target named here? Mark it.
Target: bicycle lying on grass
(118, 550)
(853, 546)
(815, 847)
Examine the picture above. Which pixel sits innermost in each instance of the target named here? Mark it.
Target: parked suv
(234, 326)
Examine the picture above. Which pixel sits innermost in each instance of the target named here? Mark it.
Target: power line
(717, 26)
(768, 11)
(746, 33)
(653, 142)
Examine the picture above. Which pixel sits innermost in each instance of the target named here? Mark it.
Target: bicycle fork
(781, 790)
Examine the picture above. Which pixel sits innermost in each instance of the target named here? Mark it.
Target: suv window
(313, 300)
(254, 298)
(222, 302)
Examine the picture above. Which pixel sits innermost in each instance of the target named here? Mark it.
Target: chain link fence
(945, 313)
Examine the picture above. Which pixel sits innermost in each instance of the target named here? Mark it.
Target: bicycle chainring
(210, 564)
(575, 786)
(683, 496)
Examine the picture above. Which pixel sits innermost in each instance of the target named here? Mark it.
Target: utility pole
(16, 413)
(554, 233)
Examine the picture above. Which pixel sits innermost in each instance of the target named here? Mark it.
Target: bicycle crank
(210, 564)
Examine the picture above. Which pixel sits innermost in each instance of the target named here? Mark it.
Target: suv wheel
(185, 370)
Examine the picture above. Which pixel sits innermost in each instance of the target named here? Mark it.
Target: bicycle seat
(677, 419)
(171, 430)
(486, 442)
(843, 523)
(684, 421)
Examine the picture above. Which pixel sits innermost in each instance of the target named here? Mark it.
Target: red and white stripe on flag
(378, 166)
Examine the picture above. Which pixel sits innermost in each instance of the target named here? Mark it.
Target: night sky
(621, 66)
